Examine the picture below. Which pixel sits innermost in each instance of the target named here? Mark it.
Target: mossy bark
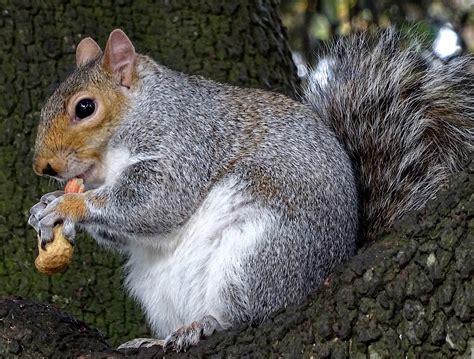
(32, 330)
(238, 42)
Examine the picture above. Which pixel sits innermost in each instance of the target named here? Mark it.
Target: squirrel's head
(80, 117)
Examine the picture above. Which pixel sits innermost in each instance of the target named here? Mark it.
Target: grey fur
(201, 133)
(404, 120)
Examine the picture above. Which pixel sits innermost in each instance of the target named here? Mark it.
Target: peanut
(57, 254)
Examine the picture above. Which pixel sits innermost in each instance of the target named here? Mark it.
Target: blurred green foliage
(312, 23)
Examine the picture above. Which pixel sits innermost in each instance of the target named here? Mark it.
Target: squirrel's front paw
(33, 220)
(55, 208)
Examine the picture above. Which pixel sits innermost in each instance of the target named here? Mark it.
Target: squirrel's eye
(85, 108)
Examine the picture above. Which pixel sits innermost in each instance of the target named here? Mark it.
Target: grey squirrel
(230, 203)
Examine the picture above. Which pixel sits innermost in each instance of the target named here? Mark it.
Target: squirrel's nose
(49, 171)
(47, 167)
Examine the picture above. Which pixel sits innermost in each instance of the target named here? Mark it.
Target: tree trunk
(239, 42)
(33, 330)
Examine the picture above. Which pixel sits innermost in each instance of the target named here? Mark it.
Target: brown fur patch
(264, 184)
(92, 135)
(73, 206)
(86, 139)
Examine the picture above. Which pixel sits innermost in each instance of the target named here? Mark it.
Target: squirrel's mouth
(92, 176)
(86, 174)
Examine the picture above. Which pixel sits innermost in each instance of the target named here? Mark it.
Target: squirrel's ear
(86, 51)
(120, 57)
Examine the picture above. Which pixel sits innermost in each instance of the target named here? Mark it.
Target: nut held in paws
(58, 253)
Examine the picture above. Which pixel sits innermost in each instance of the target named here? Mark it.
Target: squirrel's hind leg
(190, 335)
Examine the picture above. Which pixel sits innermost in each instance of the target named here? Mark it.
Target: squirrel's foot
(141, 343)
(190, 335)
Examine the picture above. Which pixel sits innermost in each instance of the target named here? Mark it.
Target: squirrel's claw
(46, 236)
(33, 219)
(39, 207)
(69, 230)
(179, 340)
(48, 218)
(50, 197)
(46, 225)
(141, 343)
(183, 338)
(190, 335)
(45, 215)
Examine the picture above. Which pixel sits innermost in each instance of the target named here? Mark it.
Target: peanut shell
(57, 254)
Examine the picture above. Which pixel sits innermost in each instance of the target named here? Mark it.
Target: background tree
(314, 23)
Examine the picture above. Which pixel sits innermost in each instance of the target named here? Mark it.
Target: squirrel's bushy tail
(405, 118)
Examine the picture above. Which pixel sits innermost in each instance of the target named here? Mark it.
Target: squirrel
(230, 203)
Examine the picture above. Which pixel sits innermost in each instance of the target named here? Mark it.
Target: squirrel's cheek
(73, 206)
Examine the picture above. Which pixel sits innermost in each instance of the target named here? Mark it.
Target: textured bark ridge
(33, 330)
(238, 42)
(409, 294)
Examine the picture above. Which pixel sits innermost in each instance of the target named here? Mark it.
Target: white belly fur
(179, 279)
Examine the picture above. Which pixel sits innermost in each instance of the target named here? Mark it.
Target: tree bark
(238, 42)
(33, 330)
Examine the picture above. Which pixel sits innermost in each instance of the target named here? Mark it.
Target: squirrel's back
(404, 117)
